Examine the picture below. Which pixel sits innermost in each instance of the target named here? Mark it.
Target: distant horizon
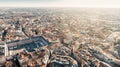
(56, 7)
(61, 3)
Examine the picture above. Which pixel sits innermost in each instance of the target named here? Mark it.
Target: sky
(60, 3)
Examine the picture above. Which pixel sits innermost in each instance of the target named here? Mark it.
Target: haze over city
(59, 33)
(61, 3)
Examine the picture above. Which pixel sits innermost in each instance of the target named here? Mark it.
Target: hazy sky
(60, 3)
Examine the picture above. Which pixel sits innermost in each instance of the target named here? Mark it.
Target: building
(28, 44)
(62, 61)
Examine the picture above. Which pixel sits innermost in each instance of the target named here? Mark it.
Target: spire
(6, 50)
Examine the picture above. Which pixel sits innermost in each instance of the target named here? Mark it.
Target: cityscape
(59, 33)
(59, 37)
